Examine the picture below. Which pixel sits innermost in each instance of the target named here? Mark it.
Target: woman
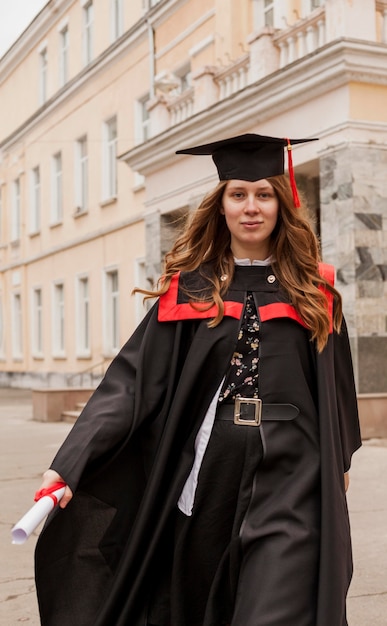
(206, 476)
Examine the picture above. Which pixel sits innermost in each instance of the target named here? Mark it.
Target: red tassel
(293, 185)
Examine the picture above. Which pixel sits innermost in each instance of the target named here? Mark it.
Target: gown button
(271, 278)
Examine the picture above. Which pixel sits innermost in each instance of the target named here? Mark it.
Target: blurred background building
(97, 95)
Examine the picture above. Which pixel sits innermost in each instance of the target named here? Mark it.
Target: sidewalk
(27, 447)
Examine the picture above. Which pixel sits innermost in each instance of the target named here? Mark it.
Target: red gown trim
(170, 310)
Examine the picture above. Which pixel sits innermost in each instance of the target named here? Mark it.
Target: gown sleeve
(109, 417)
(346, 396)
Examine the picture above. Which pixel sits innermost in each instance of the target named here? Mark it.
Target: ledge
(373, 415)
(108, 201)
(329, 67)
(48, 404)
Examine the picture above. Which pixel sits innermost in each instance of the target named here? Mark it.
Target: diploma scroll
(46, 500)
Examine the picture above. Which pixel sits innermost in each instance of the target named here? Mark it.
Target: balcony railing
(302, 38)
(234, 77)
(295, 42)
(181, 107)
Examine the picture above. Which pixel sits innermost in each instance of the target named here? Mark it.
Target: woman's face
(251, 212)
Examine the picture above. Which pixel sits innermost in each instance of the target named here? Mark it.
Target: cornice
(334, 65)
(68, 245)
(32, 35)
(118, 49)
(163, 11)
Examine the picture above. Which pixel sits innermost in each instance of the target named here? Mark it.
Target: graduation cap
(250, 157)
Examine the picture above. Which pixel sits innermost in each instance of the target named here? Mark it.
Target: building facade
(97, 96)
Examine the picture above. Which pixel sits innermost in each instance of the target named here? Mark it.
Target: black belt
(252, 411)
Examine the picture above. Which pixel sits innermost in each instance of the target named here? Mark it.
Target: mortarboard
(250, 157)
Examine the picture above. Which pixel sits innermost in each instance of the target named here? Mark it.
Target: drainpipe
(152, 61)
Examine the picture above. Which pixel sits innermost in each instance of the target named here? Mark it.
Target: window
(17, 327)
(63, 56)
(16, 211)
(109, 177)
(43, 61)
(2, 346)
(117, 19)
(81, 175)
(268, 12)
(111, 312)
(1, 214)
(37, 322)
(35, 201)
(88, 18)
(184, 80)
(83, 317)
(58, 328)
(142, 120)
(56, 189)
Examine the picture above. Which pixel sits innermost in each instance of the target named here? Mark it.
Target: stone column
(353, 196)
(161, 231)
(152, 248)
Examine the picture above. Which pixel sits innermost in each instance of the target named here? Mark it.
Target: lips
(251, 223)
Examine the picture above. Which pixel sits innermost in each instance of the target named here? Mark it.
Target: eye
(237, 195)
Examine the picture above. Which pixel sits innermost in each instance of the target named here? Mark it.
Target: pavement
(27, 447)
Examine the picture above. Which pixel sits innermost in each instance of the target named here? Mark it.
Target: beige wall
(107, 235)
(362, 95)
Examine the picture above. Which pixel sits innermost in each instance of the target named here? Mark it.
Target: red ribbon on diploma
(48, 491)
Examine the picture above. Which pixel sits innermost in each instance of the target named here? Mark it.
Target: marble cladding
(161, 231)
(153, 248)
(353, 197)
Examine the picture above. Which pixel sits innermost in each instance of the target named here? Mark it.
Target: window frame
(2, 194)
(2, 327)
(81, 175)
(37, 326)
(83, 317)
(88, 32)
(17, 326)
(64, 44)
(16, 210)
(56, 188)
(109, 159)
(116, 19)
(35, 200)
(43, 75)
(268, 13)
(142, 120)
(58, 339)
(111, 312)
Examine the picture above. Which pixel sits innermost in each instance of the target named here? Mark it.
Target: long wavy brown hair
(205, 246)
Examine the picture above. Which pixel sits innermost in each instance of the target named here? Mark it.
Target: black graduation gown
(131, 450)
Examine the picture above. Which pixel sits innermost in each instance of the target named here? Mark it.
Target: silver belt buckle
(257, 402)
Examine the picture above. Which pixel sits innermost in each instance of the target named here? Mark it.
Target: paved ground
(27, 447)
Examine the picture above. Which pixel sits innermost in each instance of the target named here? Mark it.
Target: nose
(252, 204)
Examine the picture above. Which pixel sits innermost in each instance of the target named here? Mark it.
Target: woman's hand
(346, 481)
(50, 477)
